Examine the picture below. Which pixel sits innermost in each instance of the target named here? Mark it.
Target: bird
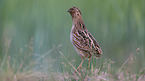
(83, 41)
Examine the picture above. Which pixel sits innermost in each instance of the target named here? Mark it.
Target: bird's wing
(94, 44)
(83, 40)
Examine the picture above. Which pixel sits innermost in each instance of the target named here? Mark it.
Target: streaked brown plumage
(82, 40)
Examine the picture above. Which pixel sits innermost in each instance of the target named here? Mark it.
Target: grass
(106, 70)
(25, 69)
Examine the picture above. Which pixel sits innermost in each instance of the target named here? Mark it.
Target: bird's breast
(71, 32)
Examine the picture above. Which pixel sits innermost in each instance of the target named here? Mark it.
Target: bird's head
(74, 12)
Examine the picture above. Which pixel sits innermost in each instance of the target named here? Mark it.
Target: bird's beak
(68, 10)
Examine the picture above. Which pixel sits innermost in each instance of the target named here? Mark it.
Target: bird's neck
(78, 19)
(78, 23)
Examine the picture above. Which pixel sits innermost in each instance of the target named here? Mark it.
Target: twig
(124, 63)
(70, 64)
(8, 45)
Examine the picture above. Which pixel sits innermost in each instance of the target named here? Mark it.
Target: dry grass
(24, 69)
(105, 72)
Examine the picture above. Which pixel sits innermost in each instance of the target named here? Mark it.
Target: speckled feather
(83, 41)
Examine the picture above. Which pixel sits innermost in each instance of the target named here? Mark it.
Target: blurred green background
(34, 30)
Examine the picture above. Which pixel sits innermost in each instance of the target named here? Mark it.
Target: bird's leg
(80, 66)
(89, 61)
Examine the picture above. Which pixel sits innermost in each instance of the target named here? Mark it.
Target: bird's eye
(71, 9)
